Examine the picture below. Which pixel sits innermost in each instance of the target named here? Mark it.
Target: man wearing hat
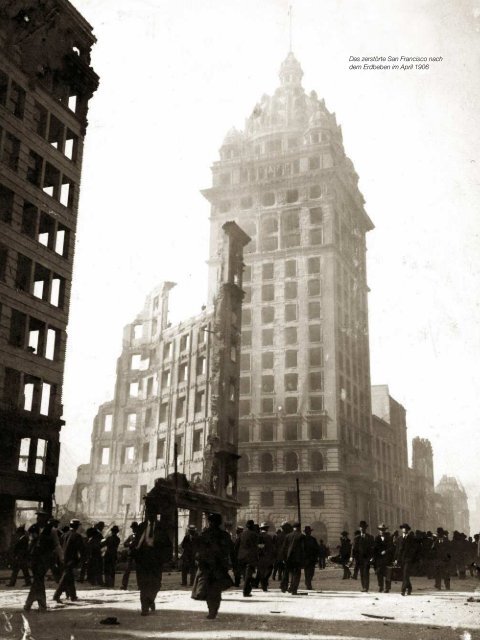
(248, 555)
(20, 557)
(383, 553)
(406, 553)
(266, 556)
(362, 553)
(311, 556)
(294, 554)
(43, 543)
(112, 542)
(237, 573)
(189, 549)
(279, 564)
(73, 550)
(441, 557)
(128, 544)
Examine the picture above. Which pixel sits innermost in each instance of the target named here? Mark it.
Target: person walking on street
(294, 554)
(441, 557)
(405, 555)
(189, 550)
(237, 573)
(311, 556)
(43, 543)
(73, 551)
(323, 553)
(112, 541)
(20, 557)
(96, 544)
(279, 566)
(128, 545)
(362, 553)
(383, 554)
(214, 553)
(266, 556)
(344, 554)
(248, 556)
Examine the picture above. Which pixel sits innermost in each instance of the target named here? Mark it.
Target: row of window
(314, 238)
(267, 361)
(267, 383)
(290, 334)
(273, 145)
(27, 392)
(290, 290)
(267, 498)
(268, 314)
(131, 453)
(289, 269)
(38, 280)
(270, 431)
(33, 335)
(32, 456)
(290, 462)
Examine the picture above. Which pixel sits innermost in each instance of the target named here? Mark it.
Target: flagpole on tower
(290, 30)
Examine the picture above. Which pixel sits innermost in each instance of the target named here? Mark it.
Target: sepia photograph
(239, 319)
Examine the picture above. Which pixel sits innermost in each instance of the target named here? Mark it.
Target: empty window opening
(160, 448)
(57, 291)
(135, 361)
(46, 231)
(51, 181)
(107, 422)
(167, 350)
(129, 454)
(291, 358)
(184, 342)
(71, 143)
(316, 430)
(183, 372)
(18, 324)
(66, 192)
(36, 336)
(34, 168)
(11, 387)
(105, 457)
(290, 312)
(29, 385)
(179, 444)
(199, 401)
(145, 451)
(291, 431)
(24, 454)
(29, 219)
(6, 204)
(232, 390)
(266, 431)
(3, 88)
(166, 378)
(268, 199)
(41, 456)
(201, 366)
(16, 100)
(317, 461)
(149, 387)
(41, 279)
(133, 390)
(11, 150)
(56, 133)
(73, 103)
(45, 399)
(291, 461)
(267, 360)
(291, 404)
(291, 221)
(243, 464)
(180, 408)
(266, 462)
(131, 421)
(291, 335)
(292, 195)
(313, 265)
(61, 241)
(40, 119)
(197, 439)
(163, 414)
(291, 381)
(137, 331)
(267, 405)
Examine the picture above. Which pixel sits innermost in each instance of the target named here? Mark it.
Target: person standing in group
(189, 550)
(362, 553)
(405, 555)
(441, 558)
(279, 566)
(383, 553)
(128, 544)
(323, 553)
(266, 556)
(311, 556)
(43, 543)
(153, 548)
(20, 557)
(344, 554)
(55, 566)
(237, 573)
(294, 554)
(112, 541)
(248, 556)
(214, 553)
(73, 550)
(95, 563)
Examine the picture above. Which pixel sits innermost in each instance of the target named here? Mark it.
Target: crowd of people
(253, 553)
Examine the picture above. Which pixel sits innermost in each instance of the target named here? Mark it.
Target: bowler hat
(382, 527)
(250, 523)
(307, 528)
(363, 524)
(192, 527)
(74, 522)
(215, 518)
(114, 529)
(405, 526)
(296, 525)
(440, 531)
(264, 525)
(344, 533)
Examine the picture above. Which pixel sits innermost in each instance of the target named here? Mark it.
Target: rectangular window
(247, 273)
(105, 456)
(244, 407)
(185, 342)
(24, 454)
(317, 498)
(201, 366)
(267, 360)
(316, 430)
(316, 216)
(51, 181)
(18, 325)
(148, 417)
(316, 403)
(244, 385)
(16, 100)
(290, 290)
(316, 380)
(314, 310)
(313, 265)
(266, 498)
(267, 384)
(131, 421)
(107, 422)
(6, 204)
(291, 312)
(266, 432)
(145, 451)
(267, 405)
(245, 362)
(267, 337)
(291, 382)
(183, 372)
(163, 415)
(267, 271)
(246, 317)
(244, 498)
(166, 378)
(11, 151)
(133, 389)
(199, 401)
(290, 498)
(314, 287)
(197, 440)
(316, 357)
(316, 236)
(291, 431)
(41, 457)
(291, 404)
(268, 292)
(129, 455)
(34, 168)
(315, 333)
(40, 119)
(243, 432)
(290, 268)
(45, 399)
(291, 358)
(246, 338)
(315, 191)
(314, 163)
(180, 408)
(268, 315)
(290, 335)
(160, 448)
(247, 298)
(167, 351)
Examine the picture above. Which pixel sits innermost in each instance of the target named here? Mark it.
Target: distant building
(424, 511)
(46, 82)
(177, 388)
(305, 370)
(454, 505)
(390, 456)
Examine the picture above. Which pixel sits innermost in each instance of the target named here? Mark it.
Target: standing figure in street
(96, 544)
(189, 550)
(73, 550)
(153, 548)
(406, 553)
(56, 568)
(237, 572)
(20, 557)
(279, 566)
(362, 553)
(248, 556)
(214, 553)
(266, 556)
(112, 542)
(344, 554)
(43, 543)
(441, 557)
(311, 556)
(323, 553)
(294, 554)
(128, 544)
(383, 554)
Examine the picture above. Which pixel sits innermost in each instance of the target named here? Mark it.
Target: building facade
(177, 389)
(305, 378)
(390, 455)
(46, 82)
(454, 505)
(422, 489)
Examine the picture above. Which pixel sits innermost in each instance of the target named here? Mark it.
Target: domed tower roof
(291, 72)
(233, 135)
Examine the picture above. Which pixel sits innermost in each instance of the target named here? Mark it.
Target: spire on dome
(291, 72)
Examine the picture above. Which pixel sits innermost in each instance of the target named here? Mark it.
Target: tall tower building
(305, 377)
(46, 82)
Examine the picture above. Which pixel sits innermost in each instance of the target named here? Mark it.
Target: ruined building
(177, 389)
(422, 488)
(390, 455)
(454, 514)
(46, 82)
(305, 372)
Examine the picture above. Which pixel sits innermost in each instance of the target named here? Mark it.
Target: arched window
(317, 461)
(291, 461)
(266, 462)
(243, 464)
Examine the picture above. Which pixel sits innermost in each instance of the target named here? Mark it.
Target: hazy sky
(175, 75)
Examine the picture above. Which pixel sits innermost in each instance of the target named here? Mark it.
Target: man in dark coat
(279, 565)
(95, 563)
(294, 554)
(311, 556)
(362, 553)
(266, 556)
(112, 542)
(153, 548)
(406, 553)
(214, 553)
(20, 557)
(128, 544)
(237, 572)
(43, 544)
(323, 553)
(73, 550)
(189, 550)
(441, 557)
(383, 554)
(248, 555)
(344, 554)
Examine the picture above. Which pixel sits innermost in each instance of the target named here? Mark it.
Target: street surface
(334, 610)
